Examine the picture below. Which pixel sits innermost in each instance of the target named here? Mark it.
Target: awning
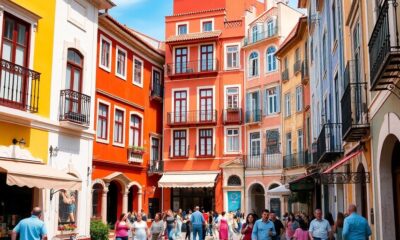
(304, 183)
(37, 175)
(341, 162)
(281, 190)
(198, 180)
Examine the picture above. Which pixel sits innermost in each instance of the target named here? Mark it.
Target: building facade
(128, 120)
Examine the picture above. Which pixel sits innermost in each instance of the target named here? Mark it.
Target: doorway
(396, 185)
(257, 199)
(361, 193)
(113, 201)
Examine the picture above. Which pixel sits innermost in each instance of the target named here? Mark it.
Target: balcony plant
(67, 228)
(232, 109)
(137, 150)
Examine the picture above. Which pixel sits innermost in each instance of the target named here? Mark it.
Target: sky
(147, 16)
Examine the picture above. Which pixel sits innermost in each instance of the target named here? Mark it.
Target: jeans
(210, 229)
(169, 231)
(197, 229)
(121, 238)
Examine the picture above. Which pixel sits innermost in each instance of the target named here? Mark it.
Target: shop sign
(234, 200)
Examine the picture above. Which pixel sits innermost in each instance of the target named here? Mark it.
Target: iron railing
(253, 116)
(156, 166)
(254, 38)
(384, 43)
(266, 160)
(157, 91)
(285, 74)
(192, 67)
(200, 117)
(297, 67)
(354, 104)
(299, 159)
(304, 71)
(74, 107)
(233, 116)
(19, 87)
(329, 142)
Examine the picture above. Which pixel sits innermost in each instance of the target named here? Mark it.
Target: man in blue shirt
(197, 221)
(355, 227)
(263, 228)
(31, 228)
(319, 227)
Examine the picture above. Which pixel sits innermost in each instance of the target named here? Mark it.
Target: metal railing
(19, 87)
(253, 116)
(304, 71)
(285, 74)
(157, 91)
(299, 159)
(354, 103)
(271, 161)
(233, 115)
(156, 166)
(329, 142)
(192, 117)
(74, 107)
(192, 67)
(297, 67)
(384, 40)
(254, 38)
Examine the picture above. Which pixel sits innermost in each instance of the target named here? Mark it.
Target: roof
(104, 4)
(194, 36)
(197, 12)
(293, 35)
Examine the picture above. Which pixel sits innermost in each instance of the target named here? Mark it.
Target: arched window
(73, 79)
(253, 64)
(274, 185)
(234, 181)
(271, 59)
(135, 128)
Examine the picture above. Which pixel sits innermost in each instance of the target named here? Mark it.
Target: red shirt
(205, 216)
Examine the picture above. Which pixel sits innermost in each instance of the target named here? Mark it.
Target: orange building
(127, 148)
(203, 108)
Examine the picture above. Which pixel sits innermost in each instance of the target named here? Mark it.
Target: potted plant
(232, 109)
(137, 150)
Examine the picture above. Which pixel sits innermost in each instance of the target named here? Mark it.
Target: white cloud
(121, 3)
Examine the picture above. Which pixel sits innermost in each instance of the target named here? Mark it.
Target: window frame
(300, 140)
(239, 134)
(273, 97)
(180, 139)
(226, 46)
(132, 129)
(289, 139)
(153, 70)
(178, 24)
(119, 144)
(299, 98)
(135, 58)
(117, 50)
(251, 60)
(199, 138)
(273, 58)
(108, 130)
(152, 148)
(208, 20)
(288, 107)
(227, 95)
(104, 38)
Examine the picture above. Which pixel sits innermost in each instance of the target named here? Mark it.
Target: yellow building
(295, 102)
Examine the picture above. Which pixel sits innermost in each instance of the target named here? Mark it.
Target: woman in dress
(301, 233)
(122, 227)
(157, 228)
(247, 227)
(223, 227)
(139, 228)
(179, 221)
(290, 226)
(338, 228)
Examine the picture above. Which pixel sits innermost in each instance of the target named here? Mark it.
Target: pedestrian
(301, 232)
(279, 228)
(338, 227)
(215, 224)
(355, 227)
(157, 228)
(139, 229)
(247, 227)
(197, 221)
(223, 227)
(329, 218)
(210, 223)
(205, 216)
(144, 215)
(179, 222)
(122, 227)
(188, 224)
(320, 229)
(263, 228)
(171, 224)
(289, 226)
(31, 228)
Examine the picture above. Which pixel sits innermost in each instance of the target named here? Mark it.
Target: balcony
(295, 160)
(233, 116)
(19, 87)
(135, 154)
(384, 48)
(254, 38)
(193, 68)
(297, 67)
(285, 75)
(329, 143)
(157, 93)
(305, 72)
(192, 118)
(267, 161)
(156, 167)
(354, 104)
(74, 107)
(253, 117)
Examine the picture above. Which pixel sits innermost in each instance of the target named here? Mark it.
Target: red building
(127, 148)
(203, 108)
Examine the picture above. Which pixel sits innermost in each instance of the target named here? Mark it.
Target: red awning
(342, 161)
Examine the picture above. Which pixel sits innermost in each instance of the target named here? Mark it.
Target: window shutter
(258, 100)
(278, 99)
(248, 103)
(265, 109)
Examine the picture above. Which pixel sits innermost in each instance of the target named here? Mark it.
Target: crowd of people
(199, 224)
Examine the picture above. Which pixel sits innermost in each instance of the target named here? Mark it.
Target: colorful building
(296, 129)
(128, 116)
(203, 107)
(262, 139)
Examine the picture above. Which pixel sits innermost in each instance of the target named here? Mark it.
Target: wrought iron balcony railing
(200, 66)
(19, 87)
(294, 160)
(270, 161)
(384, 47)
(297, 67)
(285, 74)
(253, 116)
(157, 92)
(329, 143)
(354, 104)
(200, 117)
(305, 72)
(257, 37)
(74, 107)
(156, 167)
(233, 116)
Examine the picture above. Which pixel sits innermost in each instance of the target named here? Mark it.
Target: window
(181, 60)
(271, 100)
(253, 64)
(271, 60)
(300, 140)
(73, 82)
(121, 63)
(312, 50)
(271, 28)
(180, 105)
(207, 26)
(255, 146)
(138, 72)
(334, 20)
(182, 29)
(105, 53)
(297, 55)
(232, 140)
(179, 143)
(286, 63)
(287, 105)
(299, 98)
(156, 80)
(324, 52)
(273, 144)
(155, 149)
(232, 95)
(205, 142)
(232, 56)
(288, 144)
(119, 126)
(135, 131)
(255, 34)
(206, 58)
(234, 181)
(206, 105)
(253, 108)
(67, 207)
(102, 121)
